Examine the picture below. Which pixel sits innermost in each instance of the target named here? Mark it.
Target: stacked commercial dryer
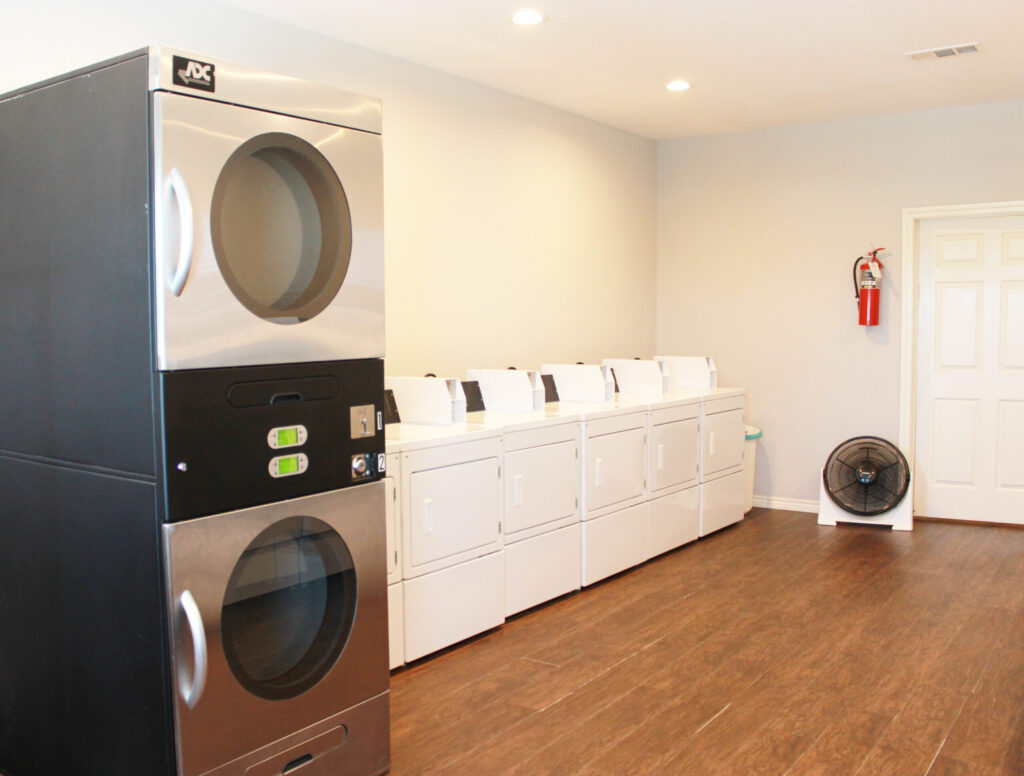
(192, 535)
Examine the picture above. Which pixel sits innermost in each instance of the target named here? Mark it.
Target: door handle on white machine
(428, 516)
(517, 491)
(193, 692)
(599, 472)
(661, 457)
(176, 187)
(711, 443)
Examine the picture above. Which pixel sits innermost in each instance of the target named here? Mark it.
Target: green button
(288, 465)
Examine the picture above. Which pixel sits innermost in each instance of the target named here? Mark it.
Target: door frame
(909, 291)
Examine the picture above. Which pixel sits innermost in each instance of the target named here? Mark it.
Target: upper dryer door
(268, 231)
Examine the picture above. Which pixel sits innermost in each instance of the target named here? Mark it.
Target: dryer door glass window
(289, 608)
(281, 228)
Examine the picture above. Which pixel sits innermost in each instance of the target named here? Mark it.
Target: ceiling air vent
(941, 52)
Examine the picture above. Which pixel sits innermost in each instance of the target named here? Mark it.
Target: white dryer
(613, 488)
(673, 469)
(453, 569)
(721, 473)
(541, 501)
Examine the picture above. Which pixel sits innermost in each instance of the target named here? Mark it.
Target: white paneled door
(969, 461)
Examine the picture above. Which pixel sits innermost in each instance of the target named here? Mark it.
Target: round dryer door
(289, 608)
(281, 228)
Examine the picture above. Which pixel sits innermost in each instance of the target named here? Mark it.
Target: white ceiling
(752, 63)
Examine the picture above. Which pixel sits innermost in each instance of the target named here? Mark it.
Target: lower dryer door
(278, 620)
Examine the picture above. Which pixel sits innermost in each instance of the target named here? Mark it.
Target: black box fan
(868, 479)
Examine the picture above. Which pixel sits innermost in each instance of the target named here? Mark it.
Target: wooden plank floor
(773, 647)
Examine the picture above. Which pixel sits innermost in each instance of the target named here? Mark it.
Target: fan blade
(889, 466)
(891, 493)
(850, 485)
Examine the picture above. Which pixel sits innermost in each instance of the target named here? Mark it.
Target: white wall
(515, 233)
(757, 234)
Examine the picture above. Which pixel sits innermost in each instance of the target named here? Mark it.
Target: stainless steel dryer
(192, 530)
(278, 612)
(268, 229)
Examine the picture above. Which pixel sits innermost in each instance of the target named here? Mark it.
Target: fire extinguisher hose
(856, 285)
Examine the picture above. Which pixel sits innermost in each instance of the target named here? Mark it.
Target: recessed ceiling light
(677, 86)
(528, 17)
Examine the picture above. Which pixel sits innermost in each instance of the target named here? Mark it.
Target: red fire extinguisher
(867, 272)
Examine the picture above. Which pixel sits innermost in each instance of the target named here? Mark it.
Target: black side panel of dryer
(83, 684)
(221, 448)
(74, 271)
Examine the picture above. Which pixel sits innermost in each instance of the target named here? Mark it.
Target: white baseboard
(791, 504)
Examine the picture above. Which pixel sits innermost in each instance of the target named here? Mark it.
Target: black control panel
(242, 436)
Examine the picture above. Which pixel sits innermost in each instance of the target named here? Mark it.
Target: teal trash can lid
(753, 432)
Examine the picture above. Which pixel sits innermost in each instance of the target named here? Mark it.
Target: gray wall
(757, 233)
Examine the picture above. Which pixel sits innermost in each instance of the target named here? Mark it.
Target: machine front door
(268, 237)
(278, 620)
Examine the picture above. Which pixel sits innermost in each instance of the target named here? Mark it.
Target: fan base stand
(900, 517)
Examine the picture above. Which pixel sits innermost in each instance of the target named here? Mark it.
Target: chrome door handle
(176, 187)
(191, 694)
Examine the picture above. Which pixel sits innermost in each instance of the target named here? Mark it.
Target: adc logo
(193, 74)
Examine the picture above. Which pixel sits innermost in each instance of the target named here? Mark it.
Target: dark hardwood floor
(773, 647)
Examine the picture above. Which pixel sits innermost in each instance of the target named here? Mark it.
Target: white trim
(791, 504)
(908, 305)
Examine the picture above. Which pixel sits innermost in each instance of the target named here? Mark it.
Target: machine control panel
(287, 436)
(363, 421)
(260, 434)
(288, 465)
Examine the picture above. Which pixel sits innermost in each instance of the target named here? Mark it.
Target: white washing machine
(541, 501)
(721, 471)
(453, 570)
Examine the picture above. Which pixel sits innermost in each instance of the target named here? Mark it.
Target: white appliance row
(659, 472)
(506, 510)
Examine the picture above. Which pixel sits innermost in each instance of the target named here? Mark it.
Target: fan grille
(866, 476)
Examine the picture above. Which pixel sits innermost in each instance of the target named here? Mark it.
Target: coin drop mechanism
(365, 421)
